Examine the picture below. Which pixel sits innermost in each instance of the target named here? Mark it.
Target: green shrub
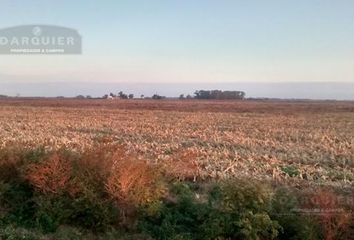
(294, 226)
(31, 196)
(13, 160)
(17, 202)
(291, 171)
(178, 219)
(88, 208)
(237, 210)
(12, 233)
(69, 233)
(245, 207)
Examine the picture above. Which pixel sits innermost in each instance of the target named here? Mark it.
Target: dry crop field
(299, 142)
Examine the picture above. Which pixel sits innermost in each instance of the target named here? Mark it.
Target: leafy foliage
(229, 211)
(107, 191)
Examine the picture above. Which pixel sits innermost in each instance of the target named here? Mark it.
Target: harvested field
(307, 142)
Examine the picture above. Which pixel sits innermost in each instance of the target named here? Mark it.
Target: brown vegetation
(334, 218)
(305, 142)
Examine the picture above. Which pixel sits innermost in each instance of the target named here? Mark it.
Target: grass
(312, 137)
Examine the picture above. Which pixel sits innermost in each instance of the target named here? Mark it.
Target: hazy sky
(190, 40)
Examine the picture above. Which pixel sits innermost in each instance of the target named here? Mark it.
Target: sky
(188, 42)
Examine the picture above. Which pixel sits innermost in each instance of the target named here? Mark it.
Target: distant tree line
(218, 94)
(199, 94)
(185, 97)
(120, 95)
(156, 96)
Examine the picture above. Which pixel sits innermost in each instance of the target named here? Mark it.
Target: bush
(52, 175)
(236, 210)
(333, 220)
(294, 225)
(12, 233)
(13, 158)
(17, 204)
(45, 190)
(176, 219)
(107, 193)
(135, 182)
(246, 207)
(71, 191)
(79, 211)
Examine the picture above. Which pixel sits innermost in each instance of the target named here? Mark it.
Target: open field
(172, 169)
(307, 142)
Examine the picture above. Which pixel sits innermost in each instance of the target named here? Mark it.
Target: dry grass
(296, 142)
(183, 165)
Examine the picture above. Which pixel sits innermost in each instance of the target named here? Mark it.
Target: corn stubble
(294, 142)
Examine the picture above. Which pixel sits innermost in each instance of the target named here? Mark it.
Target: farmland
(310, 142)
(176, 169)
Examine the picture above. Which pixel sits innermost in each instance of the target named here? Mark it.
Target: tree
(156, 96)
(80, 96)
(218, 94)
(131, 96)
(197, 94)
(202, 94)
(122, 95)
(181, 96)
